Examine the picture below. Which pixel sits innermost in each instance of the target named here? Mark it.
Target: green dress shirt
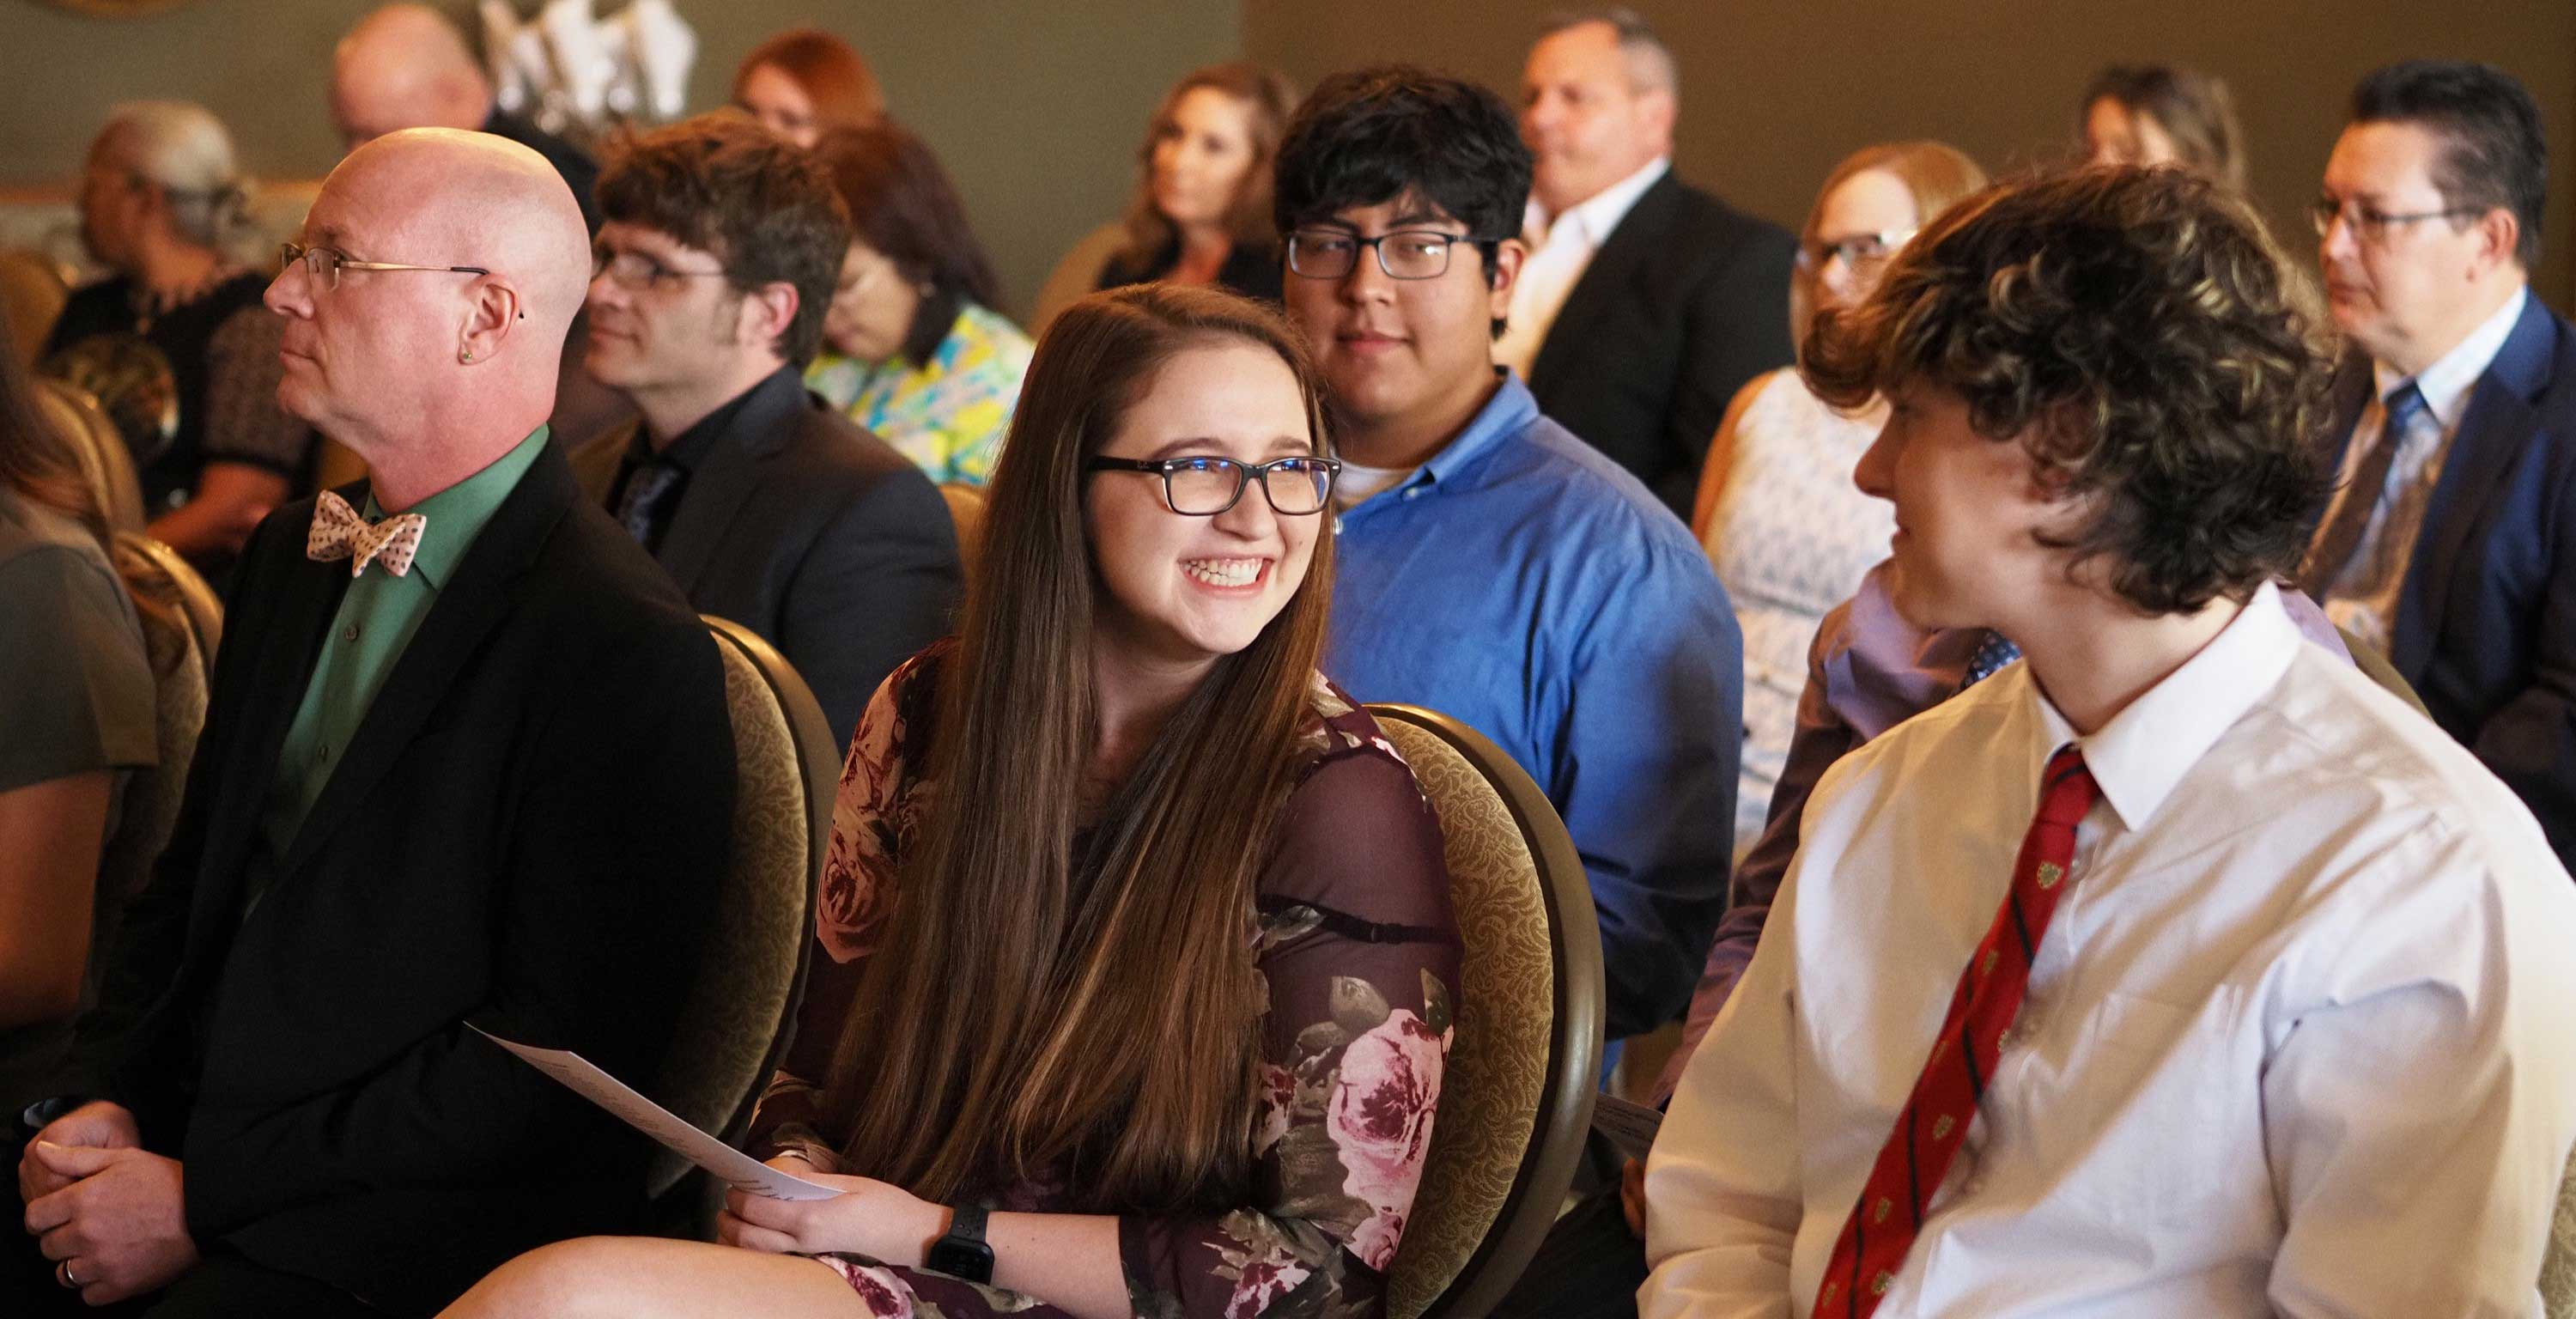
(376, 620)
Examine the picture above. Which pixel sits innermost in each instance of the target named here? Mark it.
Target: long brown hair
(1268, 98)
(903, 205)
(2193, 108)
(1036, 1012)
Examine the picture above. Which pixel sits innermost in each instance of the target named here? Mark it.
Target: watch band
(964, 1253)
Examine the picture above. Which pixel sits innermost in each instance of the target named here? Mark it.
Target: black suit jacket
(813, 533)
(1687, 300)
(527, 831)
(2486, 617)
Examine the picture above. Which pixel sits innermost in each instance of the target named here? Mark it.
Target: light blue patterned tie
(1993, 653)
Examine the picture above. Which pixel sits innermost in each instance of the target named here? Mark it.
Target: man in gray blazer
(717, 255)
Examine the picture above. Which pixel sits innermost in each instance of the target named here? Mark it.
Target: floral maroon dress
(1360, 950)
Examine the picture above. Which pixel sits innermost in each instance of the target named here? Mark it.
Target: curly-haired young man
(2178, 969)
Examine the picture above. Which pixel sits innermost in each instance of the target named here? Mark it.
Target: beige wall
(1775, 92)
(1035, 106)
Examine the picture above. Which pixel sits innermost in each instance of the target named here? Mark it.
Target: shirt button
(322, 754)
(1416, 492)
(349, 633)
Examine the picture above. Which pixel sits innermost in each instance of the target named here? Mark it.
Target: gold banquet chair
(966, 508)
(32, 293)
(2558, 1264)
(733, 1027)
(1516, 1099)
(95, 447)
(181, 642)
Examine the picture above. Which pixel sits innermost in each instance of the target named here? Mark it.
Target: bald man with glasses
(466, 759)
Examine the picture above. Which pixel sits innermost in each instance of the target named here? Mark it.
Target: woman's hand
(868, 1217)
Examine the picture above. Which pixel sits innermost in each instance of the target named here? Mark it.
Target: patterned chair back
(733, 1028)
(181, 641)
(96, 448)
(1517, 1096)
(2558, 1265)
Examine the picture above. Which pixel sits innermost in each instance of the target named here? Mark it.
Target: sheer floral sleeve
(874, 819)
(1360, 950)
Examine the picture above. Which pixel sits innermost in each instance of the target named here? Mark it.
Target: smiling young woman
(1136, 932)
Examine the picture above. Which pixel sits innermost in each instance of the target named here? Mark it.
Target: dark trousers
(1590, 1266)
(221, 1286)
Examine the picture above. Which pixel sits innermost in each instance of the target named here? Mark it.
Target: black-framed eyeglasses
(2370, 224)
(1202, 487)
(636, 271)
(324, 264)
(1858, 252)
(1401, 253)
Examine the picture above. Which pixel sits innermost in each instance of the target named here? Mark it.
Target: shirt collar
(1601, 212)
(2447, 382)
(2144, 751)
(1509, 412)
(693, 445)
(456, 515)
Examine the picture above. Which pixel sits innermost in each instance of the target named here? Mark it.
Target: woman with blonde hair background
(1137, 964)
(2157, 114)
(1788, 532)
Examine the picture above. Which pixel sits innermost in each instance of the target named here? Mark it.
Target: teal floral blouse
(949, 414)
(1359, 948)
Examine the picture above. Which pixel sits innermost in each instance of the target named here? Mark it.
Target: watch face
(971, 1260)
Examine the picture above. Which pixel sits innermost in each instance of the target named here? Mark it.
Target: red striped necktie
(1917, 1155)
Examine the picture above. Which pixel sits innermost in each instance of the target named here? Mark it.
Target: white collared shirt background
(2296, 1041)
(1562, 248)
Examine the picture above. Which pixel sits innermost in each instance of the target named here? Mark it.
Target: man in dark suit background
(719, 255)
(2451, 545)
(466, 758)
(1645, 303)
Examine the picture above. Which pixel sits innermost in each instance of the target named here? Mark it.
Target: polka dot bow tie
(339, 533)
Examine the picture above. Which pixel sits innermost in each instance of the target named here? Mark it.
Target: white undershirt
(1557, 262)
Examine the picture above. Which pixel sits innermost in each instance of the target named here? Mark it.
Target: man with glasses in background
(718, 251)
(466, 759)
(2451, 545)
(1493, 566)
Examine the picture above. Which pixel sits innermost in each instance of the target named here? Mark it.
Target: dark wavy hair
(724, 185)
(903, 205)
(2136, 331)
(2493, 155)
(1373, 135)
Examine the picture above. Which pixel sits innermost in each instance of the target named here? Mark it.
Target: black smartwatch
(963, 1253)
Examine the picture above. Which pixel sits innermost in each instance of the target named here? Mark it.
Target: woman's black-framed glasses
(1202, 487)
(324, 264)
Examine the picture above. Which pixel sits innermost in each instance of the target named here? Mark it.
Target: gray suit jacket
(811, 532)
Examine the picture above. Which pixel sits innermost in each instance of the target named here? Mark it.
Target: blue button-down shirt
(1527, 585)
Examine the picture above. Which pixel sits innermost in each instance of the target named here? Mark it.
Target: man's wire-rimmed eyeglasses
(324, 264)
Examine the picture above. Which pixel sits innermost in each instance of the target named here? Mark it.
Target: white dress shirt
(2362, 599)
(2297, 1040)
(1557, 262)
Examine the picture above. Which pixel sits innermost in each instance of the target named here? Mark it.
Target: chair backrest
(733, 1027)
(966, 505)
(181, 640)
(1075, 277)
(1516, 1099)
(2558, 1265)
(91, 441)
(187, 590)
(2376, 667)
(32, 294)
